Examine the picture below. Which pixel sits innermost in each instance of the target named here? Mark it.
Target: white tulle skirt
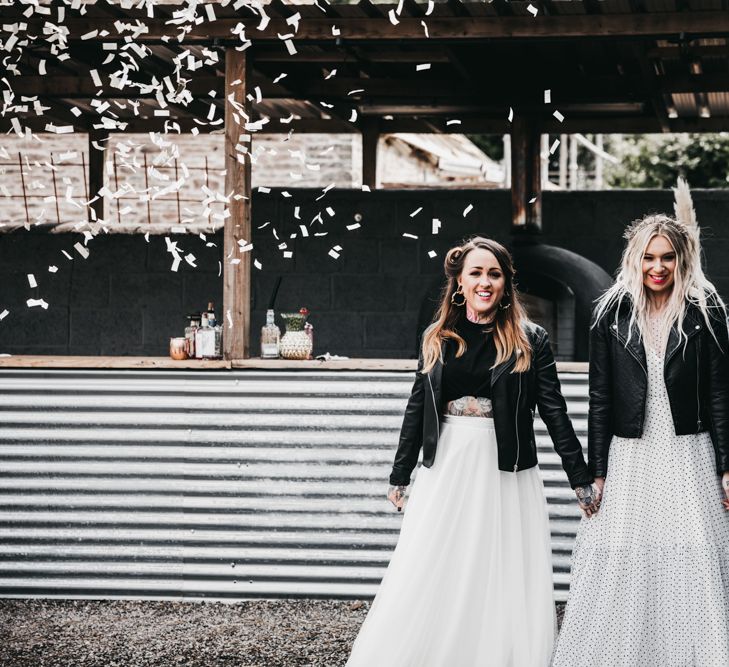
(470, 581)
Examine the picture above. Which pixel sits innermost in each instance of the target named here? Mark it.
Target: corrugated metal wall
(213, 484)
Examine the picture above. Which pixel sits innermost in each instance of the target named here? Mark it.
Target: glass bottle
(211, 314)
(203, 347)
(190, 334)
(270, 335)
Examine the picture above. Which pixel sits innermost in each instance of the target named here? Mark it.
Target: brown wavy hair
(509, 325)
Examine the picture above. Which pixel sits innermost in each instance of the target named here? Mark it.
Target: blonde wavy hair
(510, 322)
(690, 286)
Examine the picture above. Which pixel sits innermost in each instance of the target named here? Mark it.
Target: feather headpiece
(683, 206)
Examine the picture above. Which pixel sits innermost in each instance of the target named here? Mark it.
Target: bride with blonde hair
(650, 570)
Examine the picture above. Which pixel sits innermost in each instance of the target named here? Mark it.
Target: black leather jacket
(697, 382)
(513, 396)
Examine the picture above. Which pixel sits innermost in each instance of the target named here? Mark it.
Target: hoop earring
(508, 305)
(453, 297)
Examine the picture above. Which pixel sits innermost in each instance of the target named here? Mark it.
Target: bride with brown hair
(470, 581)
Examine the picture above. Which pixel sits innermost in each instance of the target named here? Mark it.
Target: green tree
(656, 160)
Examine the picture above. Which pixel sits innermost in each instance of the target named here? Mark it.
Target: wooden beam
(704, 23)
(370, 139)
(97, 172)
(237, 276)
(526, 181)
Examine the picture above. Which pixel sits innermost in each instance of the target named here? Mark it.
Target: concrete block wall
(124, 299)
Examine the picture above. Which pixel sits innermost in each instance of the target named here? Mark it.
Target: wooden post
(97, 172)
(237, 275)
(370, 139)
(526, 173)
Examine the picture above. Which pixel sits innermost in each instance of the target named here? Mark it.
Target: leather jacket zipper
(624, 343)
(435, 409)
(698, 398)
(516, 426)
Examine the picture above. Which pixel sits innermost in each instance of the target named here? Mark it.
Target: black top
(469, 374)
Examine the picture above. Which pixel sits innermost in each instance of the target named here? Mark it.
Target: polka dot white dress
(650, 573)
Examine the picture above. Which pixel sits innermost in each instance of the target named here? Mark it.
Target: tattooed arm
(470, 406)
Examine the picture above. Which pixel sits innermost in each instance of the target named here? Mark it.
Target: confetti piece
(336, 31)
(331, 74)
(432, 253)
(37, 302)
(409, 236)
(511, 114)
(175, 264)
(353, 116)
(31, 280)
(532, 200)
(431, 6)
(67, 255)
(393, 17)
(558, 116)
(435, 226)
(290, 47)
(416, 211)
(288, 254)
(257, 264)
(81, 250)
(422, 67)
(366, 188)
(467, 210)
(52, 269)
(425, 29)
(354, 226)
(95, 78)
(453, 121)
(554, 146)
(548, 96)
(229, 318)
(283, 75)
(532, 10)
(4, 314)
(333, 253)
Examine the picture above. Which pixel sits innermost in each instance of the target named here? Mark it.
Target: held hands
(589, 497)
(725, 488)
(396, 495)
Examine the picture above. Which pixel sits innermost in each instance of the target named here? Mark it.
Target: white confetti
(366, 188)
(409, 236)
(431, 6)
(548, 96)
(554, 146)
(290, 47)
(532, 9)
(425, 28)
(42, 67)
(353, 116)
(67, 255)
(393, 17)
(37, 302)
(304, 230)
(331, 74)
(52, 269)
(422, 67)
(558, 116)
(333, 253)
(283, 75)
(175, 264)
(31, 280)
(95, 78)
(288, 254)
(511, 114)
(257, 264)
(81, 250)
(229, 318)
(432, 253)
(336, 31)
(435, 226)
(416, 211)
(353, 226)
(4, 314)
(467, 210)
(453, 121)
(532, 200)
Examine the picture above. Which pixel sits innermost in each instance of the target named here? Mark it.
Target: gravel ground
(131, 633)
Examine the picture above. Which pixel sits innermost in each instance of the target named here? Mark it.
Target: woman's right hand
(589, 497)
(396, 495)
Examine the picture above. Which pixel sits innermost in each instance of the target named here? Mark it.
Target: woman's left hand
(725, 488)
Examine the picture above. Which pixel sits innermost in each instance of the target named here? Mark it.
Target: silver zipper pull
(516, 467)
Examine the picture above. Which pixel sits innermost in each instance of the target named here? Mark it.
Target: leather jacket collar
(692, 324)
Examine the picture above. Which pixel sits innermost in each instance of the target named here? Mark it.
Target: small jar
(177, 348)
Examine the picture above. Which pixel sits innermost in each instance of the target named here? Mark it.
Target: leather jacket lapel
(635, 344)
(691, 326)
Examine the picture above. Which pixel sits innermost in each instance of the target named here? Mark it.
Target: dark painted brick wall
(124, 300)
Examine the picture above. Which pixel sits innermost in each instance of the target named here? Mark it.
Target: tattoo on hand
(585, 495)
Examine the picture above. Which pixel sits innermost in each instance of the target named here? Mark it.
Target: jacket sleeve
(411, 433)
(599, 421)
(719, 392)
(553, 411)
